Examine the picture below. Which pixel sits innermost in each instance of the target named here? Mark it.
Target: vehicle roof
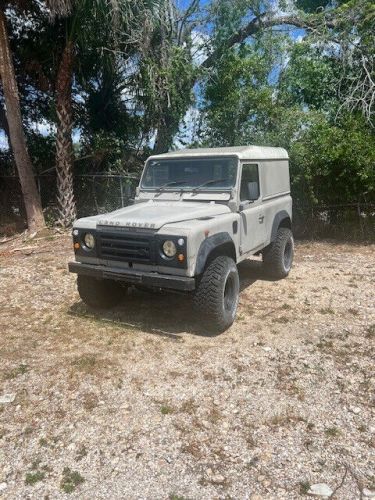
(242, 152)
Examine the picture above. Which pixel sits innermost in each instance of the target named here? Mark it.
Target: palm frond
(59, 8)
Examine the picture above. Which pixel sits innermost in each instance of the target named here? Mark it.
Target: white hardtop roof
(242, 152)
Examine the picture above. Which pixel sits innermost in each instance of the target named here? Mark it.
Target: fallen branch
(22, 249)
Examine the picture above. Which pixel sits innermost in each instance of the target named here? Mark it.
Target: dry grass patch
(189, 406)
(15, 372)
(285, 419)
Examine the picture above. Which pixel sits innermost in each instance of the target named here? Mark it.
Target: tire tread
(208, 295)
(274, 254)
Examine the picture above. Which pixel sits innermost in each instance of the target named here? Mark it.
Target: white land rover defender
(196, 215)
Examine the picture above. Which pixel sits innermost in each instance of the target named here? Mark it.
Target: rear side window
(249, 182)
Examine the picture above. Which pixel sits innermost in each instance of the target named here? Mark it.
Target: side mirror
(245, 204)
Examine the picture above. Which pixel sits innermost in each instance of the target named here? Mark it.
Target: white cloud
(3, 141)
(287, 8)
(43, 127)
(200, 45)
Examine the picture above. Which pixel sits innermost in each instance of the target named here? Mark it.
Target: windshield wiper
(212, 181)
(172, 183)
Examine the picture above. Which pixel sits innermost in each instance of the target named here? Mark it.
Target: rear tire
(98, 293)
(278, 256)
(217, 294)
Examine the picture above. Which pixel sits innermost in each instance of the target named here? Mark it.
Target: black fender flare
(280, 216)
(206, 247)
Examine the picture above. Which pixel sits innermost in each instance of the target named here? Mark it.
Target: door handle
(261, 219)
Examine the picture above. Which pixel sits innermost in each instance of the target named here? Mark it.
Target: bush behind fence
(103, 193)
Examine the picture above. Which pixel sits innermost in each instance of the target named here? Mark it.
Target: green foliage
(32, 478)
(309, 108)
(164, 81)
(41, 149)
(310, 78)
(334, 162)
(135, 78)
(239, 96)
(70, 480)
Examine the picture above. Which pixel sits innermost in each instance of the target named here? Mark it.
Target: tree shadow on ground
(162, 313)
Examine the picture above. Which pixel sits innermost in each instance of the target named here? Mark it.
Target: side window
(249, 182)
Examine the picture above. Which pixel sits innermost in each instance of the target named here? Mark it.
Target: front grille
(125, 247)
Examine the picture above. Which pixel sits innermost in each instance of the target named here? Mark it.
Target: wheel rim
(288, 254)
(230, 293)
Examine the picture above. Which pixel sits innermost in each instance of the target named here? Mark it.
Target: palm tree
(103, 26)
(119, 22)
(33, 206)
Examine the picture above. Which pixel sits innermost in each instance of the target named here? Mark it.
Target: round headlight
(89, 240)
(169, 248)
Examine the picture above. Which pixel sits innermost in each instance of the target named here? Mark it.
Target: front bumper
(134, 277)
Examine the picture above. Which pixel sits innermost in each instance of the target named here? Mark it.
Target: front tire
(217, 294)
(278, 256)
(98, 293)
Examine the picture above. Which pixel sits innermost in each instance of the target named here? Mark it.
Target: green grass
(332, 432)
(43, 442)
(19, 370)
(34, 477)
(286, 307)
(81, 453)
(326, 310)
(70, 480)
(166, 410)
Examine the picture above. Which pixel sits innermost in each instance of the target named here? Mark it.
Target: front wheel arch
(219, 244)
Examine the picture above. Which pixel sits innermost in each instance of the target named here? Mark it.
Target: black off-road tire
(217, 294)
(99, 294)
(278, 256)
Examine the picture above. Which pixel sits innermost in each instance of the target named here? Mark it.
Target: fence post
(122, 192)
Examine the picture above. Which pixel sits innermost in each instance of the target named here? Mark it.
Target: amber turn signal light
(76, 246)
(181, 257)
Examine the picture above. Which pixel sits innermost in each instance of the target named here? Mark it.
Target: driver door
(253, 232)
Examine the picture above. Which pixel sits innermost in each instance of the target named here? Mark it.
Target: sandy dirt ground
(141, 402)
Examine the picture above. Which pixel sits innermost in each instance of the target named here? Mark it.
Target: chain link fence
(345, 222)
(94, 194)
(100, 193)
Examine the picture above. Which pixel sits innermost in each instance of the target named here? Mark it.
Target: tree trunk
(163, 140)
(31, 198)
(167, 128)
(64, 142)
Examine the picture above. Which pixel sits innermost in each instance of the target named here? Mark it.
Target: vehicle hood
(154, 215)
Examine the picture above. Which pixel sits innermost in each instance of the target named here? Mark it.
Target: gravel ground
(141, 403)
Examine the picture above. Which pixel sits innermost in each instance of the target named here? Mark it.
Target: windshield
(190, 174)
